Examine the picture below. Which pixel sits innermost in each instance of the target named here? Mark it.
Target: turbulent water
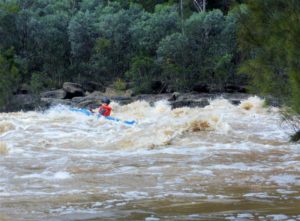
(220, 162)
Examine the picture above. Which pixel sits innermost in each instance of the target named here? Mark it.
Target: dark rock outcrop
(24, 89)
(91, 86)
(189, 103)
(57, 94)
(174, 96)
(86, 97)
(73, 90)
(231, 88)
(25, 102)
(295, 137)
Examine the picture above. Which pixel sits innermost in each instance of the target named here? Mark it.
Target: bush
(38, 82)
(142, 72)
(9, 76)
(119, 85)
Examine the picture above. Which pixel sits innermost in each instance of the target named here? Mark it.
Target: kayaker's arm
(101, 111)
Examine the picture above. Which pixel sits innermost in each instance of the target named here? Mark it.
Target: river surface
(220, 162)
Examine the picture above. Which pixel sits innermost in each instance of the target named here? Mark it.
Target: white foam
(135, 195)
(205, 172)
(61, 175)
(245, 215)
(284, 191)
(152, 218)
(285, 179)
(277, 217)
(261, 195)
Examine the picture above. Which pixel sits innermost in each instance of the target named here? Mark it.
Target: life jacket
(105, 110)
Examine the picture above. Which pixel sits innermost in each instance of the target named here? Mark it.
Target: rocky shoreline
(76, 95)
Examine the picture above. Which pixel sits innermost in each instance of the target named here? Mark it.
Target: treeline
(47, 42)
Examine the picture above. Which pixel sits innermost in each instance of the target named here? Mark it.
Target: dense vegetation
(269, 39)
(108, 41)
(46, 42)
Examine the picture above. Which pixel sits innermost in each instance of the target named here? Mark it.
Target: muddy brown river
(220, 162)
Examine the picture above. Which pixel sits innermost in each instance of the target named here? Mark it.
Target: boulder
(57, 94)
(174, 96)
(73, 90)
(189, 103)
(231, 88)
(88, 104)
(295, 137)
(25, 102)
(79, 99)
(24, 89)
(235, 101)
(92, 86)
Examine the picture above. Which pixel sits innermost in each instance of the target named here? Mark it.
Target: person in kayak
(104, 109)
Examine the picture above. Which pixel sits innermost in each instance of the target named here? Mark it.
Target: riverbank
(76, 95)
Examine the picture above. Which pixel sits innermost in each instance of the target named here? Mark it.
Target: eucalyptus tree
(173, 56)
(204, 53)
(207, 41)
(113, 48)
(81, 31)
(8, 29)
(9, 76)
(152, 27)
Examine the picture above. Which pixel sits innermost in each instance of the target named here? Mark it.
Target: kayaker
(104, 109)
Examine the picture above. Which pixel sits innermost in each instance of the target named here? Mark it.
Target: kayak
(89, 113)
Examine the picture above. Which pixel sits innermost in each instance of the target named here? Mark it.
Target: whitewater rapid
(219, 162)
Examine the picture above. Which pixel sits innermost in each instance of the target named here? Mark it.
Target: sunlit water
(220, 162)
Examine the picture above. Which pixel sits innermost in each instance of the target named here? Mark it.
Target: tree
(173, 56)
(8, 29)
(269, 59)
(269, 40)
(203, 54)
(82, 37)
(143, 71)
(209, 39)
(9, 76)
(113, 48)
(200, 5)
(151, 28)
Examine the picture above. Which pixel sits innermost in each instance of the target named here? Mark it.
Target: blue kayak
(89, 113)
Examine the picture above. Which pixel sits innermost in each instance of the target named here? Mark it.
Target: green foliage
(203, 54)
(100, 40)
(113, 49)
(142, 71)
(81, 32)
(91, 4)
(39, 81)
(269, 38)
(9, 76)
(151, 28)
(101, 45)
(119, 85)
(173, 55)
(8, 29)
